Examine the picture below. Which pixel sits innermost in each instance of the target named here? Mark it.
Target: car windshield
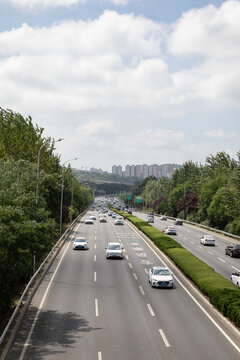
(114, 247)
(80, 240)
(237, 247)
(161, 272)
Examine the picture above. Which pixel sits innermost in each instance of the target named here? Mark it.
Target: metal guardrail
(201, 226)
(20, 302)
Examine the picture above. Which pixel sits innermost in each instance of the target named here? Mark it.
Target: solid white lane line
(99, 355)
(135, 276)
(95, 276)
(235, 268)
(130, 265)
(164, 338)
(221, 260)
(27, 342)
(150, 310)
(210, 252)
(95, 258)
(141, 290)
(96, 308)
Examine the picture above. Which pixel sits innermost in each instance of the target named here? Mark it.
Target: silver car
(160, 276)
(114, 250)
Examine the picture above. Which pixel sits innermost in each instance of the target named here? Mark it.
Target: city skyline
(144, 170)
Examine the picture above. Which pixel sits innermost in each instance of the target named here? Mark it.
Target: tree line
(208, 194)
(28, 226)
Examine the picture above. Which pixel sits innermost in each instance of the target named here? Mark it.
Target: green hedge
(221, 292)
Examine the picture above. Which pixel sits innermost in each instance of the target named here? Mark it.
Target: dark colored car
(178, 222)
(129, 211)
(233, 250)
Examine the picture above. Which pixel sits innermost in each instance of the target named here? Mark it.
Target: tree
(217, 213)
(208, 190)
(188, 204)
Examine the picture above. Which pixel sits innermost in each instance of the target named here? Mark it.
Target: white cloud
(105, 84)
(118, 2)
(36, 4)
(210, 31)
(219, 134)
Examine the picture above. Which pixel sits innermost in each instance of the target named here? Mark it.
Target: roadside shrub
(228, 302)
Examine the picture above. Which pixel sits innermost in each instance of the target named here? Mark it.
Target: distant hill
(87, 176)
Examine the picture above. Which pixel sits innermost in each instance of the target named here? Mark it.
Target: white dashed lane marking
(164, 338)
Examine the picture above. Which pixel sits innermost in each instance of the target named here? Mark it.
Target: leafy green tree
(217, 165)
(208, 190)
(24, 227)
(189, 172)
(217, 213)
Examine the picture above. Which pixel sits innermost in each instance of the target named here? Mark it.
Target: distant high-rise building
(127, 170)
(138, 171)
(132, 170)
(114, 170)
(145, 170)
(117, 170)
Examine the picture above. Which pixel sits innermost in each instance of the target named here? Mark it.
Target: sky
(125, 81)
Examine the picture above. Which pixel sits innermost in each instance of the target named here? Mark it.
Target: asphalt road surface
(91, 308)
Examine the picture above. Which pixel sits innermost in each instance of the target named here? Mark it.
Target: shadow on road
(53, 333)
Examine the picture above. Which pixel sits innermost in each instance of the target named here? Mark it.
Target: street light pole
(71, 203)
(61, 205)
(37, 186)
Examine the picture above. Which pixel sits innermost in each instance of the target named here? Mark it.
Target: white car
(170, 230)
(80, 243)
(160, 276)
(93, 217)
(118, 221)
(89, 221)
(114, 250)
(207, 240)
(235, 278)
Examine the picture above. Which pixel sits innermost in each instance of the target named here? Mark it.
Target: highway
(88, 307)
(189, 237)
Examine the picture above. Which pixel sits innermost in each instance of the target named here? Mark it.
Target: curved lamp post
(61, 206)
(47, 142)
